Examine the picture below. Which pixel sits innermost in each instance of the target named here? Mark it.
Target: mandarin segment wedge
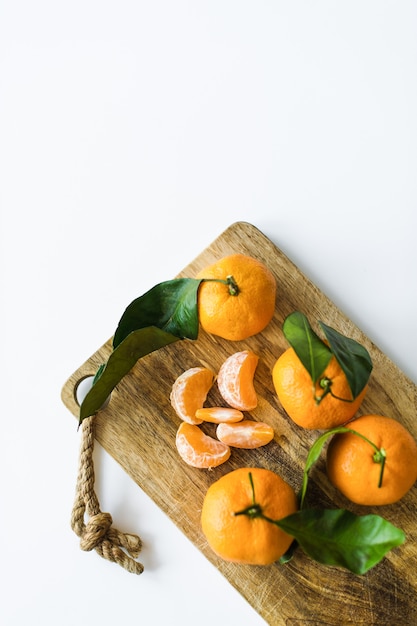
(189, 392)
(246, 434)
(219, 415)
(198, 449)
(235, 380)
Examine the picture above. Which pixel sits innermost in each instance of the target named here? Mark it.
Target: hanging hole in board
(83, 387)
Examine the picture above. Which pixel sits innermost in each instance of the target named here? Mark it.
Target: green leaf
(136, 345)
(314, 454)
(310, 349)
(288, 555)
(353, 358)
(170, 306)
(98, 373)
(339, 537)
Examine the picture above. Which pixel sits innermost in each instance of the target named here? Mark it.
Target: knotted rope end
(98, 533)
(95, 531)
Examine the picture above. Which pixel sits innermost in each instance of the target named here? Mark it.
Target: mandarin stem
(326, 384)
(254, 509)
(252, 487)
(233, 287)
(380, 455)
(229, 281)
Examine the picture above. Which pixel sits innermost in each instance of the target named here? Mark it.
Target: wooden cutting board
(138, 429)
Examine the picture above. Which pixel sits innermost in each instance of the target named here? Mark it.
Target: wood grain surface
(138, 429)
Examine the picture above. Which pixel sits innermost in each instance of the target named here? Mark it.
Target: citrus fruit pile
(236, 386)
(320, 384)
(252, 515)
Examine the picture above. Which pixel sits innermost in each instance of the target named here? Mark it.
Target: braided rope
(98, 534)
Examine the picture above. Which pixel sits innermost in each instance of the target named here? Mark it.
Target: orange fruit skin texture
(198, 449)
(352, 470)
(237, 317)
(189, 392)
(235, 380)
(294, 388)
(239, 538)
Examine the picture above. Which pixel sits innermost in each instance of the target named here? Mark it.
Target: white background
(132, 134)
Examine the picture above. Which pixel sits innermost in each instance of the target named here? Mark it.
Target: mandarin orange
(230, 517)
(301, 399)
(243, 303)
(376, 474)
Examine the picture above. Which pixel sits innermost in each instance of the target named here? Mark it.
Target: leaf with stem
(170, 306)
(334, 536)
(339, 537)
(164, 314)
(315, 451)
(310, 349)
(136, 345)
(313, 456)
(315, 354)
(353, 358)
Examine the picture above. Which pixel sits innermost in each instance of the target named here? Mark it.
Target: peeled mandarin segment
(247, 434)
(235, 380)
(218, 415)
(189, 392)
(198, 449)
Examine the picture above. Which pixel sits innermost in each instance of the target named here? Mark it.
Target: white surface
(132, 134)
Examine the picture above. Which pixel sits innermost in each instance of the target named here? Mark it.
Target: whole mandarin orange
(240, 306)
(298, 396)
(359, 475)
(245, 538)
